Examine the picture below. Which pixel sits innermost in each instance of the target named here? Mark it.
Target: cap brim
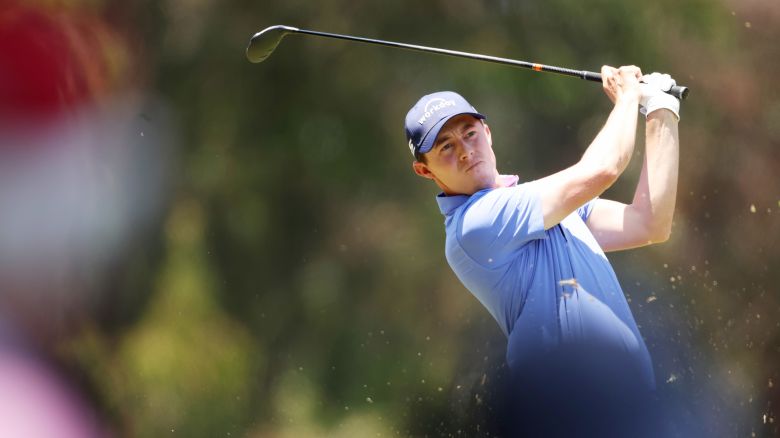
(430, 136)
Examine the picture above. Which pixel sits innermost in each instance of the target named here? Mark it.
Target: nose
(466, 151)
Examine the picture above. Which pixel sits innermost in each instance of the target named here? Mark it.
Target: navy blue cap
(429, 114)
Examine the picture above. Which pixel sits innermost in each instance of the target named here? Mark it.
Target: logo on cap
(433, 106)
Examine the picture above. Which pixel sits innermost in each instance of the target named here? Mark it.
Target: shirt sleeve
(501, 222)
(586, 209)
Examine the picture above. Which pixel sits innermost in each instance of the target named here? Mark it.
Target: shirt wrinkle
(513, 266)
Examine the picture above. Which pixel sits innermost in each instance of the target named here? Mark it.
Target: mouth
(474, 165)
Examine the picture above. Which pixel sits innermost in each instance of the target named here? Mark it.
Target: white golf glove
(654, 97)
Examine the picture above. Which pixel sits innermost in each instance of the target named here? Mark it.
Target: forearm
(606, 157)
(656, 191)
(612, 148)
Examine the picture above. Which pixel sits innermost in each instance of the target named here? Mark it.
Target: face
(462, 159)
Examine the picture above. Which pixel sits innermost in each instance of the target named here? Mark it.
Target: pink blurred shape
(36, 403)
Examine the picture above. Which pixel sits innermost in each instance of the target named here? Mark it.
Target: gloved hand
(654, 96)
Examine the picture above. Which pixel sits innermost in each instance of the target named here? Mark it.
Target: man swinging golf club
(533, 253)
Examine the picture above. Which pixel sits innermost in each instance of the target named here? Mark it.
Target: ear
(422, 169)
(488, 134)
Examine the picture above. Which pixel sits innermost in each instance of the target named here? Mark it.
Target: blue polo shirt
(497, 246)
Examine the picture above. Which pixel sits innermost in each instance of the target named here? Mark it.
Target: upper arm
(563, 192)
(618, 226)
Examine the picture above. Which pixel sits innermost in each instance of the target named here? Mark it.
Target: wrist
(661, 101)
(627, 100)
(664, 115)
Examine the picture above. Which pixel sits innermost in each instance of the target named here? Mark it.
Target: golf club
(264, 43)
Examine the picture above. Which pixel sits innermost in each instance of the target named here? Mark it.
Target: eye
(471, 134)
(446, 146)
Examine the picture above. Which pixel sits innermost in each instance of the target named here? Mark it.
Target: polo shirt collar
(448, 204)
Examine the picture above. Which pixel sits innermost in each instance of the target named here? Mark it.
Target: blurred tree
(302, 288)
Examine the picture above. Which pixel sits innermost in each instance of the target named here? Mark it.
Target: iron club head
(264, 42)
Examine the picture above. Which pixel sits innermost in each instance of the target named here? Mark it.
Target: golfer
(533, 253)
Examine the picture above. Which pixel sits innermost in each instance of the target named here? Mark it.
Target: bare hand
(621, 83)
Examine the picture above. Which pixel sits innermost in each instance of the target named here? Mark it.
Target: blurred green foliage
(298, 284)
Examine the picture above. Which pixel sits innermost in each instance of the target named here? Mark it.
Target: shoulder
(491, 207)
(497, 222)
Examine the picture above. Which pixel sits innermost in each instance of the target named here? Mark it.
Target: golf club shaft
(677, 91)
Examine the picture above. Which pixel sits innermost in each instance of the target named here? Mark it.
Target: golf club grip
(678, 91)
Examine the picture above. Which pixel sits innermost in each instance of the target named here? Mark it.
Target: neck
(500, 181)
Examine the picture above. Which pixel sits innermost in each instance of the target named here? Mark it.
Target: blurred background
(193, 245)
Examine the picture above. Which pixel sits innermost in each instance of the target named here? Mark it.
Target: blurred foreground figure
(533, 255)
(81, 170)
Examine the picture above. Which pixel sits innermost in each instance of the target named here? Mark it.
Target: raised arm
(648, 219)
(606, 157)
